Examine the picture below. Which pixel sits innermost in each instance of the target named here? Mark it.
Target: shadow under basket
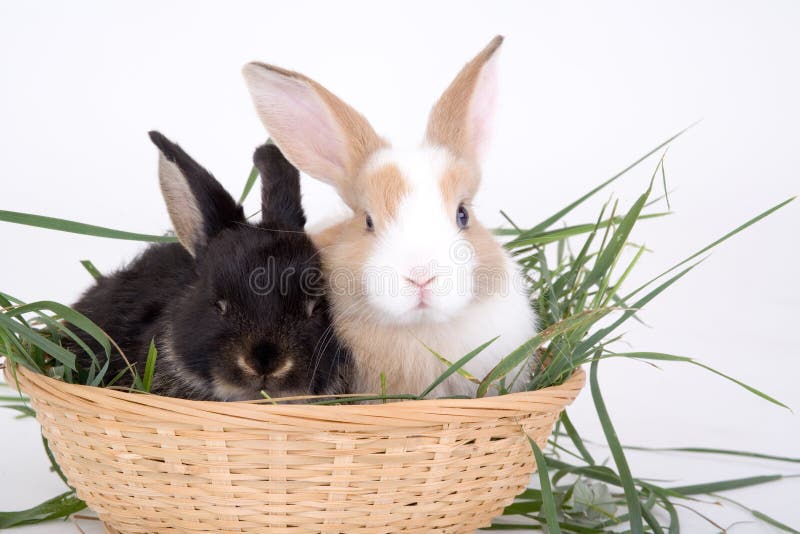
(149, 464)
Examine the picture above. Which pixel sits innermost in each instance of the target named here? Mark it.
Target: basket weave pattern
(148, 464)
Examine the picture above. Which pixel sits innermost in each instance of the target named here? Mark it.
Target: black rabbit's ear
(198, 205)
(280, 189)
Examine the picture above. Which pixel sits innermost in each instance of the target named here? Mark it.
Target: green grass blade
(618, 240)
(588, 344)
(59, 353)
(24, 411)
(774, 522)
(248, 186)
(448, 364)
(363, 398)
(456, 366)
(529, 238)
(726, 485)
(674, 520)
(759, 515)
(64, 505)
(651, 521)
(562, 212)
(631, 495)
(671, 357)
(706, 450)
(576, 438)
(150, 366)
(53, 464)
(63, 225)
(20, 399)
(548, 501)
(715, 243)
(524, 351)
(91, 269)
(251, 179)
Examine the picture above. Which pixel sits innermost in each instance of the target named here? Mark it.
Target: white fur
(508, 316)
(424, 239)
(418, 243)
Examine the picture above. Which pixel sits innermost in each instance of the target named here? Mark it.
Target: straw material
(148, 464)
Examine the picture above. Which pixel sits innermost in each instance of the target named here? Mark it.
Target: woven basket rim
(395, 413)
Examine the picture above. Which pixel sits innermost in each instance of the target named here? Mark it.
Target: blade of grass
(671, 357)
(456, 366)
(774, 522)
(759, 515)
(524, 351)
(91, 269)
(705, 450)
(588, 344)
(64, 505)
(631, 495)
(576, 438)
(727, 485)
(53, 464)
(562, 212)
(251, 179)
(364, 398)
(551, 236)
(548, 501)
(59, 353)
(715, 243)
(248, 186)
(63, 225)
(651, 521)
(150, 366)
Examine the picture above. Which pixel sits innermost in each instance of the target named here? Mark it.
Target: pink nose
(420, 282)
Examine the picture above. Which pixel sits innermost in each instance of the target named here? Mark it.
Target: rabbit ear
(280, 190)
(318, 133)
(198, 205)
(461, 119)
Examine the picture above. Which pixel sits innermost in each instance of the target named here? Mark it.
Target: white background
(585, 90)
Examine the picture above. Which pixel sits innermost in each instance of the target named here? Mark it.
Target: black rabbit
(235, 308)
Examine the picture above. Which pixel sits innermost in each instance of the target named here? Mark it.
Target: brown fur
(447, 124)
(459, 183)
(382, 191)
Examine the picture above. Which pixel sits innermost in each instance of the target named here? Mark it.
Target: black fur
(280, 197)
(221, 332)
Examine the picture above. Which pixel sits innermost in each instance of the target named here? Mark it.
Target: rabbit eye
(462, 217)
(370, 224)
(310, 306)
(222, 306)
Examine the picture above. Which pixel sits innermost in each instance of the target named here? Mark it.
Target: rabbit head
(256, 317)
(413, 251)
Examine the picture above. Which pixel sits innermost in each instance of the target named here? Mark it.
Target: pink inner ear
(299, 122)
(483, 103)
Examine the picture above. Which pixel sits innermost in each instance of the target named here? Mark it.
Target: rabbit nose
(420, 281)
(265, 351)
(266, 357)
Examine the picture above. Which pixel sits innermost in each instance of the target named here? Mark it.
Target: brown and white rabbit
(412, 266)
(234, 308)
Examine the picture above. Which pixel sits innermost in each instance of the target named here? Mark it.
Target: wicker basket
(149, 464)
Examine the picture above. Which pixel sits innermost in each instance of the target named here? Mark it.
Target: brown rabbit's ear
(461, 119)
(315, 130)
